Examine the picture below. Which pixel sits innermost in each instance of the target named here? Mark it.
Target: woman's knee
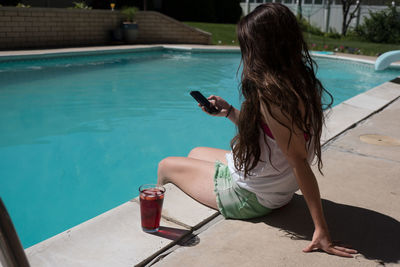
(164, 167)
(195, 152)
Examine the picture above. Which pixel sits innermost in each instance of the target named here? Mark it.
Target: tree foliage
(381, 27)
(228, 11)
(348, 15)
(221, 11)
(305, 26)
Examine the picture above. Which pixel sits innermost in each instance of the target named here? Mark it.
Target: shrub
(381, 27)
(220, 11)
(217, 11)
(305, 26)
(81, 5)
(332, 34)
(228, 11)
(21, 5)
(353, 35)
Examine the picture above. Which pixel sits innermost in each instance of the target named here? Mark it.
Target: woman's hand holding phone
(215, 106)
(219, 103)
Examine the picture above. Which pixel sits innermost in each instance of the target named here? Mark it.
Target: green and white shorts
(233, 201)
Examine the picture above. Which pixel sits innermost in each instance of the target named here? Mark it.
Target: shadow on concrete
(170, 233)
(185, 237)
(373, 234)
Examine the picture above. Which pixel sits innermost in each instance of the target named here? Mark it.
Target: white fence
(321, 15)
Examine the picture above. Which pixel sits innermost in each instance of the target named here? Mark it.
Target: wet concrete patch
(380, 140)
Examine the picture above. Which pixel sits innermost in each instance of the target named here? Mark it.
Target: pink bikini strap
(268, 132)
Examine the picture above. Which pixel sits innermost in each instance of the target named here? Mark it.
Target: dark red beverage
(151, 201)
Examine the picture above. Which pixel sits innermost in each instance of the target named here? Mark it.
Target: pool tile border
(70, 52)
(73, 52)
(117, 233)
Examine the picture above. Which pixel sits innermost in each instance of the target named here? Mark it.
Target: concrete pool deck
(360, 192)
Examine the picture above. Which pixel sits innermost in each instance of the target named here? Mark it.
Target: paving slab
(365, 101)
(340, 118)
(355, 109)
(114, 238)
(253, 243)
(360, 196)
(387, 91)
(383, 124)
(184, 210)
(351, 111)
(364, 181)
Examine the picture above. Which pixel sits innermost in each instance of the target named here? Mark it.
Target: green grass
(348, 45)
(224, 34)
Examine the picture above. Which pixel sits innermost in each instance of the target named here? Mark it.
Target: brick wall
(52, 27)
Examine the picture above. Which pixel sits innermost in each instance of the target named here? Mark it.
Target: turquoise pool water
(80, 134)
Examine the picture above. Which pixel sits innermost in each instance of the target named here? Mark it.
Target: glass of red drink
(151, 201)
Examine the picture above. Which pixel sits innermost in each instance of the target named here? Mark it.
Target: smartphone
(204, 102)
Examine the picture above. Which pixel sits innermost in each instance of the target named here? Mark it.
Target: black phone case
(204, 102)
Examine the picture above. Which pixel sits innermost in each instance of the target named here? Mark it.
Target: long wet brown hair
(278, 71)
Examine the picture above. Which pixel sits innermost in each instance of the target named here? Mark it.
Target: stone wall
(24, 28)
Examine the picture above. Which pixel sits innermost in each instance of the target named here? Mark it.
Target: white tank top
(274, 184)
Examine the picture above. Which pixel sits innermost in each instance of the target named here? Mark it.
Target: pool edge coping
(365, 114)
(76, 51)
(61, 52)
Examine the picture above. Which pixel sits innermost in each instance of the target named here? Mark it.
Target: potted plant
(81, 5)
(129, 26)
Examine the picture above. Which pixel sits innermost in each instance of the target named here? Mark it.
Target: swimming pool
(81, 133)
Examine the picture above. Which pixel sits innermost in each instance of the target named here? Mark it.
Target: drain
(380, 140)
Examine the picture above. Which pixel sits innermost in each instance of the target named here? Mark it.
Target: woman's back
(272, 179)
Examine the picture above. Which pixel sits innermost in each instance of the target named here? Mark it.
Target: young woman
(279, 128)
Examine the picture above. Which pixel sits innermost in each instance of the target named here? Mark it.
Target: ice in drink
(151, 201)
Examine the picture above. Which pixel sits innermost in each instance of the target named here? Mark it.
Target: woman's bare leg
(192, 176)
(209, 154)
